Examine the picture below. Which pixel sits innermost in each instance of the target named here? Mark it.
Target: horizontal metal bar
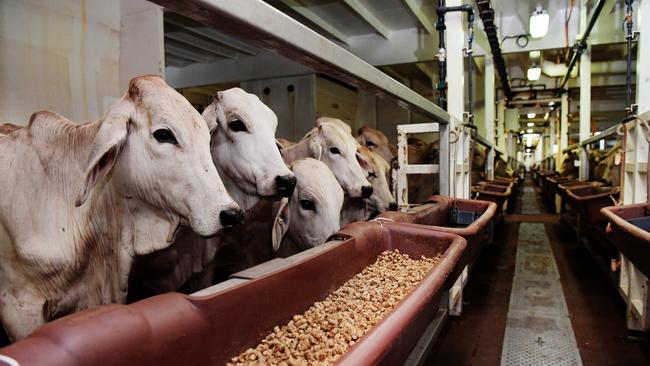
(418, 128)
(483, 141)
(571, 147)
(603, 135)
(421, 168)
(268, 28)
(534, 101)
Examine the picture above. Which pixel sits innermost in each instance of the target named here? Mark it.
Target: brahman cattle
(376, 141)
(251, 167)
(377, 170)
(331, 143)
(80, 201)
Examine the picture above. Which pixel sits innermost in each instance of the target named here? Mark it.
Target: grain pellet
(324, 332)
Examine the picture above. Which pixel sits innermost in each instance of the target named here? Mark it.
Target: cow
(377, 170)
(8, 128)
(421, 186)
(80, 201)
(251, 167)
(376, 141)
(479, 158)
(608, 169)
(312, 214)
(333, 144)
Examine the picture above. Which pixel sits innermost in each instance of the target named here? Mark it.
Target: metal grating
(538, 329)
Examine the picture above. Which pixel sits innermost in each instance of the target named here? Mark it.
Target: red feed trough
(630, 233)
(175, 329)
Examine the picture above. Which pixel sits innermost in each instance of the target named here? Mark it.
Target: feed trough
(471, 219)
(630, 231)
(590, 199)
(551, 188)
(175, 329)
(493, 193)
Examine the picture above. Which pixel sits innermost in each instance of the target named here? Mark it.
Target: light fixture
(530, 124)
(531, 115)
(534, 55)
(538, 25)
(534, 72)
(551, 103)
(522, 132)
(530, 130)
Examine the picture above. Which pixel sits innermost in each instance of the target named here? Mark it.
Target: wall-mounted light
(530, 130)
(531, 115)
(551, 103)
(538, 25)
(534, 72)
(530, 124)
(534, 55)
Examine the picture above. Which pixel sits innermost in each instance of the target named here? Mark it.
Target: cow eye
(372, 175)
(370, 144)
(164, 135)
(307, 205)
(237, 126)
(335, 150)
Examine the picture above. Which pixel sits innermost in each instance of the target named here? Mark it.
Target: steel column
(585, 94)
(489, 116)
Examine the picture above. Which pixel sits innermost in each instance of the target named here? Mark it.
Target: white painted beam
(303, 10)
(425, 19)
(489, 114)
(585, 94)
(368, 17)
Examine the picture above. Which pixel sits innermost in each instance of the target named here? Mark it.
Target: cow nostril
(392, 206)
(231, 217)
(366, 191)
(285, 184)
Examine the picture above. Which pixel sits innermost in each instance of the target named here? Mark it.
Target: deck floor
(595, 310)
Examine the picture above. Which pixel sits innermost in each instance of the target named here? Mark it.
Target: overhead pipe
(581, 45)
(442, 57)
(486, 13)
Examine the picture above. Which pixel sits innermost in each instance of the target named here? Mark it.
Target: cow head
(156, 148)
(376, 141)
(313, 212)
(244, 147)
(334, 145)
(377, 170)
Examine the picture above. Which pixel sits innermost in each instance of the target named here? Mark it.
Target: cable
(518, 39)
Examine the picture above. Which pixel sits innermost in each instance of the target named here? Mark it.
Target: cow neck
(245, 200)
(297, 151)
(354, 209)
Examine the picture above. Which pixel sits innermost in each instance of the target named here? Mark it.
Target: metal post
(501, 124)
(585, 94)
(489, 115)
(564, 122)
(634, 286)
(455, 40)
(551, 140)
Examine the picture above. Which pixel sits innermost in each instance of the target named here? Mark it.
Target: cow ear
(315, 143)
(280, 224)
(363, 163)
(210, 116)
(107, 144)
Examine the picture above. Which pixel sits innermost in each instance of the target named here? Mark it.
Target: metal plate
(538, 329)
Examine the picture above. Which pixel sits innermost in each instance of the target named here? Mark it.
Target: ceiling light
(534, 54)
(531, 115)
(551, 103)
(530, 124)
(534, 72)
(538, 25)
(530, 130)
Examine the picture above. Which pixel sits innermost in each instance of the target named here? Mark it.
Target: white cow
(377, 170)
(251, 167)
(333, 144)
(312, 214)
(80, 201)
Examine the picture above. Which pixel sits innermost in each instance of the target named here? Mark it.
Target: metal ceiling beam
(186, 54)
(213, 35)
(208, 46)
(424, 19)
(303, 10)
(368, 17)
(266, 27)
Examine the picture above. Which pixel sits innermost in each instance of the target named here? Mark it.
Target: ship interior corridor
(538, 298)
